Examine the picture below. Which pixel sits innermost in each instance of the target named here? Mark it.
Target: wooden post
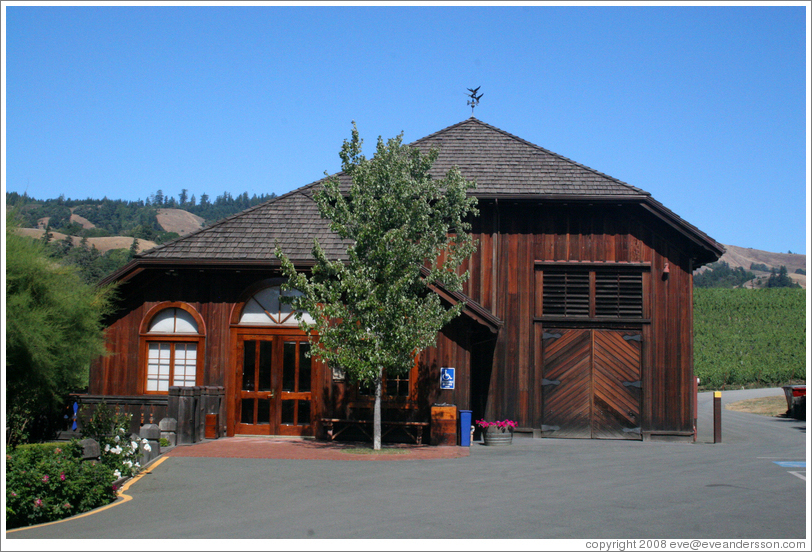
(717, 416)
(696, 406)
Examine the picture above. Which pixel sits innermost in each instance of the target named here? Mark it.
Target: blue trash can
(465, 428)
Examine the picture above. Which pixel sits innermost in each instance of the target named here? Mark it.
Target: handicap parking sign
(446, 378)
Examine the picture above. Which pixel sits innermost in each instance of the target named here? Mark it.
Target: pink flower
(37, 503)
(504, 424)
(57, 450)
(62, 476)
(45, 479)
(67, 506)
(13, 493)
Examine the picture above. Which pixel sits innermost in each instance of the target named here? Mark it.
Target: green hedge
(746, 337)
(49, 482)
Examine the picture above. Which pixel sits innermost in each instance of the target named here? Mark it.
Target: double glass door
(274, 382)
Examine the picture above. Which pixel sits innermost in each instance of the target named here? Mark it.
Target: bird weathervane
(474, 101)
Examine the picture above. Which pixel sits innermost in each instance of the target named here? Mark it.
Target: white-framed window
(173, 346)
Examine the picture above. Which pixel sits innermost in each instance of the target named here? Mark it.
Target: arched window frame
(174, 341)
(287, 320)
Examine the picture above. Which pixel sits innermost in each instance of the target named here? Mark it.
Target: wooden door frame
(233, 386)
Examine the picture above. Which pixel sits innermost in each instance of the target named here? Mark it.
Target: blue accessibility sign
(446, 378)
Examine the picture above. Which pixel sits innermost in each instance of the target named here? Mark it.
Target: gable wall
(212, 294)
(502, 279)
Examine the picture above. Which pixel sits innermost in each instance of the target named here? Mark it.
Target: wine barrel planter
(497, 438)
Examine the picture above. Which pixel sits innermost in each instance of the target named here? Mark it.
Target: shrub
(51, 482)
(119, 452)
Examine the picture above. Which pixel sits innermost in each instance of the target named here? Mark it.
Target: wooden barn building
(578, 319)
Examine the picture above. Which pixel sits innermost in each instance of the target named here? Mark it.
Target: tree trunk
(376, 412)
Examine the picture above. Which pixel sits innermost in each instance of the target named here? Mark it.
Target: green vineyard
(750, 338)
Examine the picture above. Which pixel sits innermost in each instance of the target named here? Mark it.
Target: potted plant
(498, 432)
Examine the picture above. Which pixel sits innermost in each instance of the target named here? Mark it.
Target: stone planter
(497, 438)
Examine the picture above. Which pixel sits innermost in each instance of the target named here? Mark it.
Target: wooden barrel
(444, 425)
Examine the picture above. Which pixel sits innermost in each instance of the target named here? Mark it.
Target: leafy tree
(55, 332)
(720, 275)
(133, 250)
(780, 279)
(373, 313)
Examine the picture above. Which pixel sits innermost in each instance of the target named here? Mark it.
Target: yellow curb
(122, 498)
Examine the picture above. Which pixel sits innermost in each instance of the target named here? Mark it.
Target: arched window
(173, 348)
(265, 309)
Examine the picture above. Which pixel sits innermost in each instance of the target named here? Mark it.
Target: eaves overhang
(137, 265)
(707, 250)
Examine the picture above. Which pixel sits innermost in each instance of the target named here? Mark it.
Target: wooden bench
(337, 426)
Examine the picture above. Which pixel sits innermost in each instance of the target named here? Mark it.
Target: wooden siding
(212, 294)
(526, 232)
(498, 376)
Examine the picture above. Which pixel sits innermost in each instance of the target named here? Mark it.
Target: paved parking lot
(535, 489)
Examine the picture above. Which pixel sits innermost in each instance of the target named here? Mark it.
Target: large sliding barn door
(591, 384)
(616, 385)
(567, 383)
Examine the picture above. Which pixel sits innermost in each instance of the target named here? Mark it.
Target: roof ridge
(473, 119)
(444, 130)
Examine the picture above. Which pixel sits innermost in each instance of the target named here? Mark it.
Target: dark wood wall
(514, 235)
(498, 376)
(212, 293)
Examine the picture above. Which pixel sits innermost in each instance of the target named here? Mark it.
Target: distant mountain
(747, 257)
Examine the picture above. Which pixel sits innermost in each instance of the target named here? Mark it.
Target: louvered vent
(566, 293)
(618, 294)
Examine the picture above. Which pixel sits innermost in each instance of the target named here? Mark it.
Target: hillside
(103, 245)
(745, 256)
(179, 221)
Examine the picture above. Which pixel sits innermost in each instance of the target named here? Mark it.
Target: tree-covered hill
(116, 217)
(85, 219)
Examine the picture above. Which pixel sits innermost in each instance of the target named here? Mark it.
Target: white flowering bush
(119, 451)
(123, 456)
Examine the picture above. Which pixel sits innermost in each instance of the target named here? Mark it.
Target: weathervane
(474, 101)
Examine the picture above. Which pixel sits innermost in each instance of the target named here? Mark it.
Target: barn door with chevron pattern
(567, 384)
(616, 385)
(591, 384)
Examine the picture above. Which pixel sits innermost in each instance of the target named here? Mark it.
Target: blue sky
(704, 107)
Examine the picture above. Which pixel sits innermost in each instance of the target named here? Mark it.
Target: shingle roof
(504, 164)
(292, 220)
(501, 164)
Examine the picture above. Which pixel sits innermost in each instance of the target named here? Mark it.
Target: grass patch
(765, 406)
(369, 450)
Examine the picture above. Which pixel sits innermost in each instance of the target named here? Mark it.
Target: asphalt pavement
(534, 489)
